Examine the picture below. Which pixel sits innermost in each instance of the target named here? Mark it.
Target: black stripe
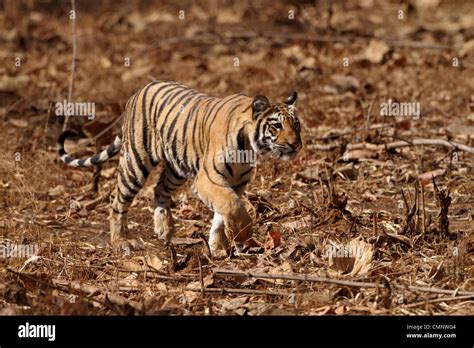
(257, 130)
(212, 181)
(193, 133)
(229, 122)
(246, 172)
(217, 169)
(152, 102)
(179, 183)
(181, 97)
(184, 139)
(95, 159)
(174, 174)
(241, 139)
(163, 103)
(145, 128)
(216, 113)
(232, 99)
(129, 128)
(189, 97)
(140, 165)
(122, 195)
(125, 183)
(202, 125)
(111, 150)
(200, 135)
(229, 168)
(118, 212)
(241, 184)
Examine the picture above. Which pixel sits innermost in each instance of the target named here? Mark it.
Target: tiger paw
(163, 224)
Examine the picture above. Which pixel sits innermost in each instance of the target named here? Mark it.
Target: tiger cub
(213, 140)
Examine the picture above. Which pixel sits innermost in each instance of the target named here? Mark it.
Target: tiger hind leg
(128, 185)
(162, 217)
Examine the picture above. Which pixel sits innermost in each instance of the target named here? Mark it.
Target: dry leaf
(345, 83)
(272, 240)
(13, 83)
(153, 262)
(427, 178)
(375, 52)
(358, 154)
(340, 310)
(196, 285)
(354, 258)
(18, 123)
(56, 191)
(302, 222)
(131, 265)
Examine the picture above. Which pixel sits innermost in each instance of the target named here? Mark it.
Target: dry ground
(326, 200)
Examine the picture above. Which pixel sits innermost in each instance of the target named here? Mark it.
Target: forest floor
(340, 230)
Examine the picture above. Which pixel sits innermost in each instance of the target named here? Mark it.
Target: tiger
(191, 135)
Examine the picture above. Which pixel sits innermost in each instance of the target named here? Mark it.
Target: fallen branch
(87, 289)
(223, 291)
(91, 290)
(316, 279)
(396, 144)
(443, 299)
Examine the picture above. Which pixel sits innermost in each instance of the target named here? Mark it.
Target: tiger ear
(291, 100)
(260, 104)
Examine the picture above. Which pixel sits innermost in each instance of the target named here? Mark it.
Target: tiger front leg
(230, 217)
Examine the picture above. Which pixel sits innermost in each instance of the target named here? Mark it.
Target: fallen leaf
(18, 123)
(340, 310)
(272, 240)
(185, 241)
(354, 258)
(427, 178)
(13, 83)
(153, 262)
(196, 285)
(56, 191)
(345, 83)
(358, 154)
(375, 52)
(298, 224)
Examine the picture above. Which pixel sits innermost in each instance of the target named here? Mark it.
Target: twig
(201, 279)
(56, 286)
(421, 141)
(443, 299)
(243, 291)
(397, 144)
(310, 278)
(338, 135)
(73, 64)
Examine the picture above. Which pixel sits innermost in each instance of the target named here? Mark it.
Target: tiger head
(276, 130)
